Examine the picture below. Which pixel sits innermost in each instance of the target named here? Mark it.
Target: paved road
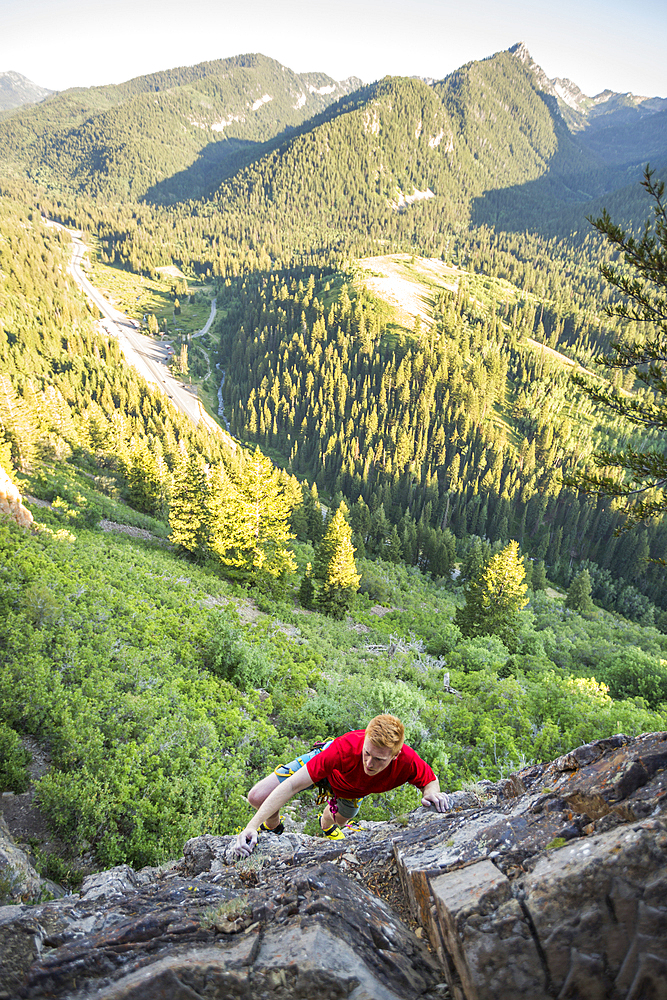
(206, 328)
(148, 356)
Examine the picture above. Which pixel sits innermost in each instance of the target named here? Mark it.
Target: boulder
(282, 930)
(556, 890)
(18, 878)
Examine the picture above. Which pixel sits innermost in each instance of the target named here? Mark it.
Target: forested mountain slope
(165, 136)
(63, 386)
(397, 160)
(404, 160)
(460, 428)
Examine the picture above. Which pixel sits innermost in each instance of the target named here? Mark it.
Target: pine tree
(643, 283)
(539, 580)
(268, 507)
(494, 598)
(18, 423)
(315, 520)
(394, 550)
(251, 523)
(188, 511)
(335, 570)
(475, 558)
(147, 480)
(307, 589)
(579, 594)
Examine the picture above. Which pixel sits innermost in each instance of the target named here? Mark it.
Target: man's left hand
(440, 801)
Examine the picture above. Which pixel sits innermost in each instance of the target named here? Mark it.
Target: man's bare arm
(273, 803)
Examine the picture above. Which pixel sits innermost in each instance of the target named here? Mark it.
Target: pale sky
(615, 44)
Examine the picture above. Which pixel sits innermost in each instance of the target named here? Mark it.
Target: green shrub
(54, 867)
(374, 584)
(232, 659)
(484, 652)
(349, 703)
(634, 674)
(391, 806)
(518, 663)
(14, 760)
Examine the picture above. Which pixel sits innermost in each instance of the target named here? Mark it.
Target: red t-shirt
(342, 765)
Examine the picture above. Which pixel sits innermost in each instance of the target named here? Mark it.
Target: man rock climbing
(365, 762)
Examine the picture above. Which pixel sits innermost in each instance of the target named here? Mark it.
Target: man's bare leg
(261, 791)
(327, 820)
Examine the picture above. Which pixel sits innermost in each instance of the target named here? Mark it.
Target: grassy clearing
(409, 285)
(138, 296)
(405, 288)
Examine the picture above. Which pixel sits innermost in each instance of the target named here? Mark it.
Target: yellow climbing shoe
(334, 833)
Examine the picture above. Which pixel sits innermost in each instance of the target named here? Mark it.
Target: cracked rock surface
(284, 930)
(557, 887)
(549, 884)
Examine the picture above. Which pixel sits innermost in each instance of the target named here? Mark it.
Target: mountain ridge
(17, 90)
(186, 134)
(485, 143)
(581, 111)
(138, 134)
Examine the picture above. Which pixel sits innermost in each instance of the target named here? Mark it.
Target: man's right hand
(246, 841)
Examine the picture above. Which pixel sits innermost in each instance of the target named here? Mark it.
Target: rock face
(19, 878)
(301, 931)
(10, 501)
(581, 112)
(550, 884)
(557, 887)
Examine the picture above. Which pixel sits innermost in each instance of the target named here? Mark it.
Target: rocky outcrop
(581, 112)
(556, 887)
(286, 930)
(18, 878)
(10, 501)
(550, 884)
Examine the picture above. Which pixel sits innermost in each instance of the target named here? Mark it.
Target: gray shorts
(346, 807)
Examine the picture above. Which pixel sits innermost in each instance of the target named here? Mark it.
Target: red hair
(386, 731)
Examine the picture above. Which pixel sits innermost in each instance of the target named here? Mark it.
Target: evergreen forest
(386, 509)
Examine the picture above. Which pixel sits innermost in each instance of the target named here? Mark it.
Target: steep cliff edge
(552, 883)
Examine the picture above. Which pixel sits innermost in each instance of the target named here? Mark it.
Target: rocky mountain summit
(550, 883)
(579, 110)
(17, 90)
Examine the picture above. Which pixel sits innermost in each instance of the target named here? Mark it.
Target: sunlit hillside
(382, 294)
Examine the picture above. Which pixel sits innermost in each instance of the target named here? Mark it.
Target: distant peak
(16, 90)
(521, 52)
(575, 107)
